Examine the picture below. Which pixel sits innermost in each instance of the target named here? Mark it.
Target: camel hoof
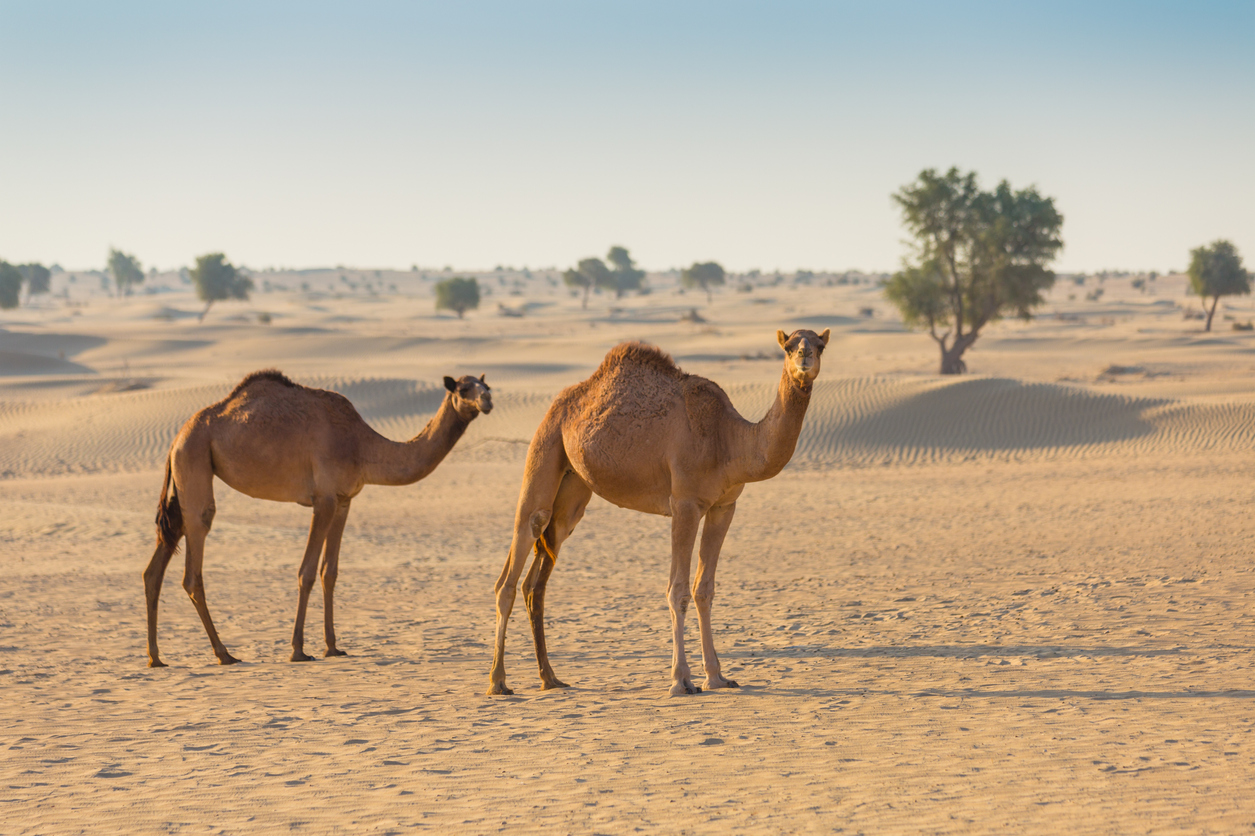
(300, 656)
(228, 660)
(331, 653)
(680, 689)
(713, 684)
(557, 683)
(156, 663)
(498, 689)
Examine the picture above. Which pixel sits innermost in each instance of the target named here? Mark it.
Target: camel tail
(169, 514)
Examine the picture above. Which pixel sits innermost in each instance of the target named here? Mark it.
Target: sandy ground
(1019, 601)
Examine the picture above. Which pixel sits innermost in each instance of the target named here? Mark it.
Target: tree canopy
(216, 280)
(10, 286)
(978, 256)
(624, 276)
(593, 273)
(705, 275)
(589, 273)
(126, 271)
(457, 294)
(37, 277)
(1216, 270)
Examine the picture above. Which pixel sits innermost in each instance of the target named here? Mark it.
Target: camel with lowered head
(275, 439)
(646, 436)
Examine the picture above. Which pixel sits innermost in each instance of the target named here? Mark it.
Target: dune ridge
(853, 421)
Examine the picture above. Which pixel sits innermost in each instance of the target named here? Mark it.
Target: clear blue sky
(762, 135)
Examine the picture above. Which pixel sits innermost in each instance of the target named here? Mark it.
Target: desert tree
(125, 270)
(978, 256)
(217, 280)
(457, 294)
(706, 274)
(625, 276)
(10, 286)
(1216, 270)
(37, 277)
(589, 273)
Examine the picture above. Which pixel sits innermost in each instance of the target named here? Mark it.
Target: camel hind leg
(169, 533)
(546, 465)
(568, 508)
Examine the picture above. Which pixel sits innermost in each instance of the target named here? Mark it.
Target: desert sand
(1015, 601)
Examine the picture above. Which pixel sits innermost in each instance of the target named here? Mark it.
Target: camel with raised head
(644, 435)
(275, 439)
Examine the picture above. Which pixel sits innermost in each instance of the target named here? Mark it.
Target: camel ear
(450, 384)
(782, 338)
(481, 380)
(824, 336)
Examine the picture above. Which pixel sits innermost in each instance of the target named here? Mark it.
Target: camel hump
(643, 356)
(271, 375)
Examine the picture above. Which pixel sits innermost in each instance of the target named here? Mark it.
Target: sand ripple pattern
(858, 421)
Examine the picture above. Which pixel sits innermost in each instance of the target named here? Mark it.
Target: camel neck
(403, 463)
(775, 437)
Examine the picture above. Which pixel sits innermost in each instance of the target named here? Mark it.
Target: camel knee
(704, 594)
(305, 579)
(194, 586)
(207, 516)
(678, 598)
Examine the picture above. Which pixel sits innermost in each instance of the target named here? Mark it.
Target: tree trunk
(201, 318)
(709, 297)
(1211, 312)
(952, 357)
(587, 288)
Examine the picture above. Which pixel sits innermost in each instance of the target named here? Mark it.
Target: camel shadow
(966, 651)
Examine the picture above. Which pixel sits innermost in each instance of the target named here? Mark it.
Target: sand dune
(1017, 601)
(852, 421)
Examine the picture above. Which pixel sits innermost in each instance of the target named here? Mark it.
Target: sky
(762, 135)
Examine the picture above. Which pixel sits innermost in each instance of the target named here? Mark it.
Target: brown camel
(275, 439)
(646, 436)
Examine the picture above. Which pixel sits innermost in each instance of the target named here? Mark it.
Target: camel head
(470, 395)
(802, 350)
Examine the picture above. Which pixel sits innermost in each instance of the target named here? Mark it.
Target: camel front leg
(718, 519)
(685, 517)
(330, 569)
(194, 584)
(324, 514)
(526, 531)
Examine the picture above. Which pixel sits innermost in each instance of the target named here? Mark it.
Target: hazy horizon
(762, 136)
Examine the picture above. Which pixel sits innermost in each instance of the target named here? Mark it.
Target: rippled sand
(1016, 601)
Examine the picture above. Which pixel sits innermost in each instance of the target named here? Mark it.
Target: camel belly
(647, 490)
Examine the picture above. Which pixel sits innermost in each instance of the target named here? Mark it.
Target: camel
(274, 439)
(644, 435)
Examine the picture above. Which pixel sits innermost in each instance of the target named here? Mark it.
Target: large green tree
(1216, 270)
(457, 294)
(978, 257)
(706, 274)
(10, 286)
(126, 271)
(216, 280)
